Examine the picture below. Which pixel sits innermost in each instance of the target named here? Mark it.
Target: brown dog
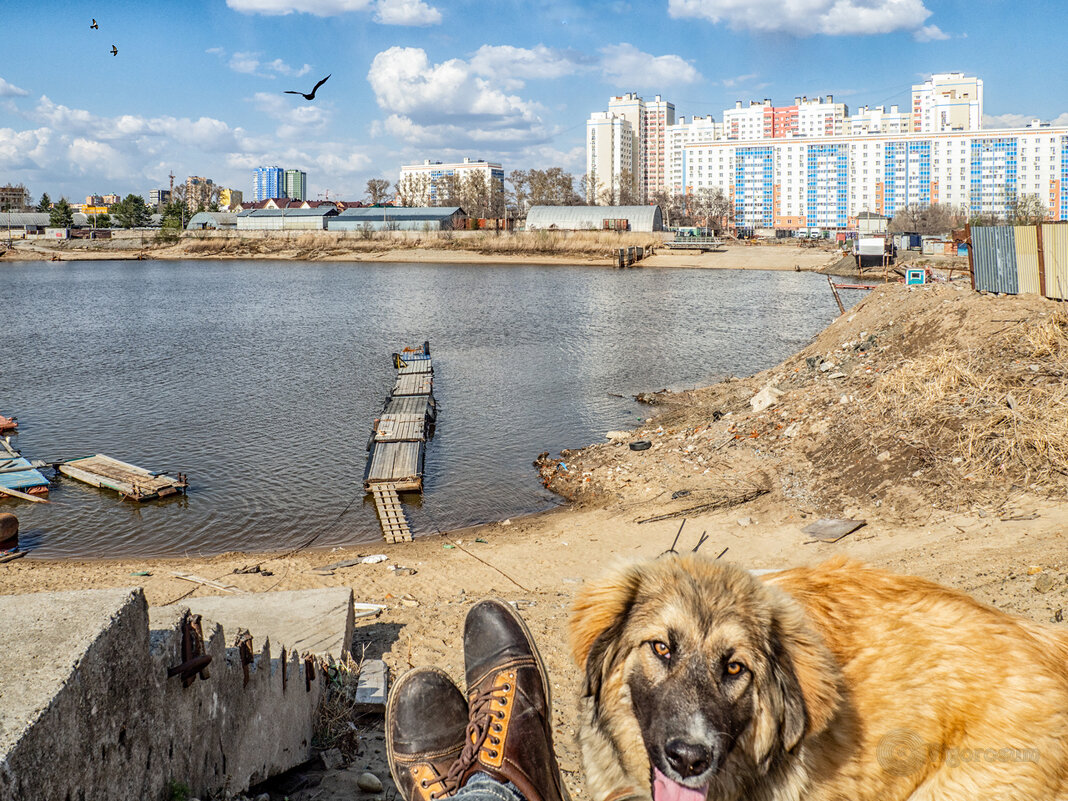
(835, 682)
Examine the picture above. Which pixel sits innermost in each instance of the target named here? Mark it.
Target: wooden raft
(129, 480)
(397, 446)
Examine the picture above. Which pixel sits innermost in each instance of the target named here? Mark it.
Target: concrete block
(372, 686)
(306, 621)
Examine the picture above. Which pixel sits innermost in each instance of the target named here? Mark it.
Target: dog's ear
(597, 620)
(806, 675)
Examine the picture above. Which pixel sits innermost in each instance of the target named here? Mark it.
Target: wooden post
(837, 299)
(971, 252)
(1041, 261)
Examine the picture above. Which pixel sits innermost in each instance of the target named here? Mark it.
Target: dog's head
(718, 671)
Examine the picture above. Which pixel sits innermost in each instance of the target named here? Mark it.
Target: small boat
(18, 473)
(8, 423)
(130, 481)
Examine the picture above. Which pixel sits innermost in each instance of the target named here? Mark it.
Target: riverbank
(934, 413)
(467, 247)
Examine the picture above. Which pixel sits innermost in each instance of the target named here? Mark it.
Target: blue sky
(197, 85)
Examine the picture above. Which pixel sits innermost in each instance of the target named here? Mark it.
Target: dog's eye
(734, 668)
(661, 649)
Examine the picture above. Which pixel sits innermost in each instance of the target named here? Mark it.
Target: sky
(197, 86)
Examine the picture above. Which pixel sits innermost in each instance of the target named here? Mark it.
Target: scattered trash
(717, 415)
(832, 529)
(679, 494)
(407, 600)
(486, 542)
(827, 366)
(765, 399)
(403, 571)
(791, 430)
(640, 445)
(448, 545)
(374, 559)
(140, 573)
(746, 521)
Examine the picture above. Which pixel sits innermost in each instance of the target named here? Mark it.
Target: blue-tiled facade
(993, 174)
(754, 186)
(827, 187)
(268, 182)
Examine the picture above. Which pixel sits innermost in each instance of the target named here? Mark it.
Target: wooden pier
(397, 446)
(130, 481)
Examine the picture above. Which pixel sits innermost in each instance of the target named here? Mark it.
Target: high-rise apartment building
(698, 130)
(14, 198)
(267, 183)
(949, 101)
(229, 198)
(158, 198)
(424, 184)
(199, 191)
(762, 120)
(295, 184)
(878, 120)
(647, 124)
(609, 156)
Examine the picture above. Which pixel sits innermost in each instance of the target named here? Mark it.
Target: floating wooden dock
(19, 477)
(397, 446)
(130, 481)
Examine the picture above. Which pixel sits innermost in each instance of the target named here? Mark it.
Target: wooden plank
(23, 495)
(206, 582)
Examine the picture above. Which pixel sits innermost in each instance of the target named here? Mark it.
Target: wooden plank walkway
(398, 443)
(391, 513)
(128, 480)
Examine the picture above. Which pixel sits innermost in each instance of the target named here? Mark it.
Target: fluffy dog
(834, 682)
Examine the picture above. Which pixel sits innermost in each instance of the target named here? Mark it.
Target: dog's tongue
(666, 790)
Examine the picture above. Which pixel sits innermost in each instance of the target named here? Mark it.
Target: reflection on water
(260, 380)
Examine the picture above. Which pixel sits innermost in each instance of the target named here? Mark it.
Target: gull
(311, 95)
(94, 26)
(114, 50)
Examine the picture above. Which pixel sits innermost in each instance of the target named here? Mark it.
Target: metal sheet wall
(994, 258)
(1026, 243)
(1055, 257)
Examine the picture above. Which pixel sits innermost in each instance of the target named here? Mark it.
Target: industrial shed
(285, 219)
(23, 222)
(398, 218)
(595, 218)
(212, 221)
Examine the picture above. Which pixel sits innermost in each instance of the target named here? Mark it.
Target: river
(260, 379)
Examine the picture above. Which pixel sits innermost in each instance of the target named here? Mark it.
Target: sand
(991, 536)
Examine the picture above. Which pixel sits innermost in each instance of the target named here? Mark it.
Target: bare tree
(520, 194)
(1026, 210)
(628, 189)
(414, 190)
(377, 191)
(917, 218)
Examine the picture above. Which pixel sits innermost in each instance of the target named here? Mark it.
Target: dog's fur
(856, 684)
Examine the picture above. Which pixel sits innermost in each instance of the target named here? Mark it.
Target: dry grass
(997, 414)
(335, 725)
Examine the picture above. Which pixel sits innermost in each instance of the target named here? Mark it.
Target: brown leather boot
(509, 735)
(426, 718)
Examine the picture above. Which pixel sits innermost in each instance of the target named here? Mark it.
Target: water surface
(260, 380)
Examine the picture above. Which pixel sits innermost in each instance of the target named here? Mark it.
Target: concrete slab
(304, 621)
(372, 686)
(44, 637)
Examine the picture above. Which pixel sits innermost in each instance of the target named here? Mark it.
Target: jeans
(482, 787)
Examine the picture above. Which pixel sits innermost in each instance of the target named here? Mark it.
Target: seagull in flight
(114, 50)
(94, 26)
(311, 95)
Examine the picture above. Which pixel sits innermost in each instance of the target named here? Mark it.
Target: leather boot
(509, 735)
(426, 719)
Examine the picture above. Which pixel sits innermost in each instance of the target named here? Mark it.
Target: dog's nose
(688, 759)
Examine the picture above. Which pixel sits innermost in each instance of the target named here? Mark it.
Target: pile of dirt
(918, 399)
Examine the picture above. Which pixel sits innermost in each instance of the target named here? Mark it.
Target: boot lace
(484, 724)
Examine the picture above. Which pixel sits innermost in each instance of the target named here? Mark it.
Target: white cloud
(625, 64)
(251, 64)
(320, 8)
(295, 121)
(406, 12)
(431, 102)
(10, 90)
(505, 61)
(740, 79)
(930, 33)
(806, 17)
(1020, 120)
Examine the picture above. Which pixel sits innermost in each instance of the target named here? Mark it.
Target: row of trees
(942, 218)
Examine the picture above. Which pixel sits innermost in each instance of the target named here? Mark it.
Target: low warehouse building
(398, 218)
(645, 219)
(212, 221)
(285, 219)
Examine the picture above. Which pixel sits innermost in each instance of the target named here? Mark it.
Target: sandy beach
(978, 505)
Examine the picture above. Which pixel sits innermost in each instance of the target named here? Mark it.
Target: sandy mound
(918, 399)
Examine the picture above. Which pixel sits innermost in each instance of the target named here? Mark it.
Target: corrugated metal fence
(1018, 259)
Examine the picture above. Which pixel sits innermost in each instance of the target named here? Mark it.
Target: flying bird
(94, 26)
(311, 95)
(114, 50)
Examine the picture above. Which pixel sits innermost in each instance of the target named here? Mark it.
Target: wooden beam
(23, 495)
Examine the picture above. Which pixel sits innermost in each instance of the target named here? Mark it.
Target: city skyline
(199, 90)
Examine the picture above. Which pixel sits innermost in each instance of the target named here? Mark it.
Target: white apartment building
(761, 120)
(697, 131)
(609, 152)
(648, 123)
(659, 117)
(878, 120)
(949, 101)
(826, 181)
(421, 184)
